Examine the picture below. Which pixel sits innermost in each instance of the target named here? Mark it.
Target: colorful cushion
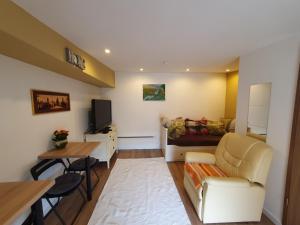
(215, 131)
(216, 128)
(215, 124)
(177, 128)
(226, 122)
(191, 131)
(198, 172)
(195, 123)
(165, 122)
(196, 127)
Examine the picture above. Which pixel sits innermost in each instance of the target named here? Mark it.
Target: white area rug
(140, 192)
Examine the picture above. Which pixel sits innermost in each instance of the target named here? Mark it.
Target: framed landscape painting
(154, 92)
(48, 101)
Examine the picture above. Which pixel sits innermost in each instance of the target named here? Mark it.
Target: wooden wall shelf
(27, 39)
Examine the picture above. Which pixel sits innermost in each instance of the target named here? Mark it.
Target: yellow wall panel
(231, 94)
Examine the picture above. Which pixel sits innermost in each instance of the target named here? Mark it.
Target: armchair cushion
(200, 157)
(227, 181)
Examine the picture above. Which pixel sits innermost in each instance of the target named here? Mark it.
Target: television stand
(108, 145)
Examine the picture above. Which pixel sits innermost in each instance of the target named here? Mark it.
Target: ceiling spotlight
(187, 70)
(227, 70)
(107, 51)
(141, 69)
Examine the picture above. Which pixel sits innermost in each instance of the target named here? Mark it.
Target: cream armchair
(240, 196)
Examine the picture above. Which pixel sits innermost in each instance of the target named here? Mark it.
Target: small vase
(61, 144)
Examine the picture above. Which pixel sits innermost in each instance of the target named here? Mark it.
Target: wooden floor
(69, 206)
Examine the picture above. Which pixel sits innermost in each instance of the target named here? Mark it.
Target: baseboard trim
(135, 136)
(271, 217)
(139, 149)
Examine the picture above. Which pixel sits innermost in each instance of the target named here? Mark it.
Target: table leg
(88, 178)
(37, 213)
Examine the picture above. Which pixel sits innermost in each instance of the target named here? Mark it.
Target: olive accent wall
(231, 94)
(25, 38)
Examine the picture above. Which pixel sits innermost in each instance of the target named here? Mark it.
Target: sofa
(236, 192)
(176, 151)
(179, 136)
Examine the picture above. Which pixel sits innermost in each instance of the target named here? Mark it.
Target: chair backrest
(243, 156)
(44, 165)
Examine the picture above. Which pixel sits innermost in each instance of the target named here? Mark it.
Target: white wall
(187, 94)
(23, 136)
(277, 64)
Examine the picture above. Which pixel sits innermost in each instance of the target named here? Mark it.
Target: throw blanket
(198, 172)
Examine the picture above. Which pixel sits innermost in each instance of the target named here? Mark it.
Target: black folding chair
(64, 184)
(79, 166)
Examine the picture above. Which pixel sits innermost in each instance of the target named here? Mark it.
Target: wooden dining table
(17, 197)
(75, 150)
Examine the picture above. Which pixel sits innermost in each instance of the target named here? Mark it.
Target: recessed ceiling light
(227, 70)
(107, 51)
(187, 70)
(141, 69)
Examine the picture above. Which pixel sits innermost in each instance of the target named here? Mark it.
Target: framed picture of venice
(48, 101)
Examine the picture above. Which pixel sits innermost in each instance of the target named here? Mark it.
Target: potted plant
(59, 138)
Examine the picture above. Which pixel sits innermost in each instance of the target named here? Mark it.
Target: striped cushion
(198, 172)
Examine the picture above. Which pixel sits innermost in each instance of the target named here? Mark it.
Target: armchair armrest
(200, 157)
(227, 181)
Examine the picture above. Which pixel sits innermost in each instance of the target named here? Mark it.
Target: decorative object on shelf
(75, 59)
(154, 92)
(48, 101)
(60, 139)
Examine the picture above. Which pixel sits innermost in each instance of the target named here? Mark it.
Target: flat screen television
(100, 115)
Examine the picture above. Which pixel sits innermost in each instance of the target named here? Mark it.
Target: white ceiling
(203, 35)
